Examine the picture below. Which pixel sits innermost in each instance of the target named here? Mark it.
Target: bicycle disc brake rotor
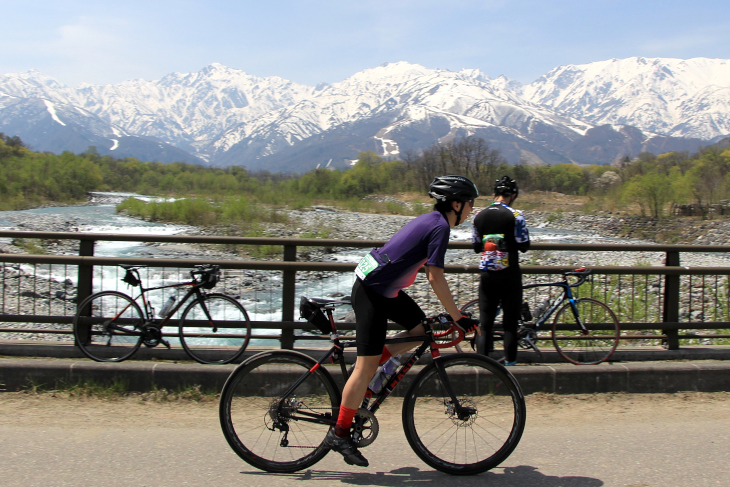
(466, 416)
(366, 428)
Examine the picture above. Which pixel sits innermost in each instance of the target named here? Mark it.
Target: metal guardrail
(669, 322)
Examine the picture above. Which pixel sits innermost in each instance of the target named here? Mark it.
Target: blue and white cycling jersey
(499, 231)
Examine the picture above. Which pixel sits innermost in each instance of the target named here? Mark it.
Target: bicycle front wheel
(269, 428)
(476, 434)
(215, 330)
(107, 326)
(593, 345)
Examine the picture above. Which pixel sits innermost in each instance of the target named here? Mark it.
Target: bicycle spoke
(106, 326)
(220, 339)
(270, 434)
(459, 442)
(590, 341)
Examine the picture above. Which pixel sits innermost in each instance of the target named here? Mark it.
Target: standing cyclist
(378, 296)
(499, 232)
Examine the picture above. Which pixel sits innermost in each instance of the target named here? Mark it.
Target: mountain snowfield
(592, 113)
(676, 97)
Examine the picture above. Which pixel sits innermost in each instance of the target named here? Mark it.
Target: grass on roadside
(118, 388)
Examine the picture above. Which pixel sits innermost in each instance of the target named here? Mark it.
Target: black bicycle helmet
(453, 188)
(506, 186)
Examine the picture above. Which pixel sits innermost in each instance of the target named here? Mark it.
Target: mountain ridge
(592, 113)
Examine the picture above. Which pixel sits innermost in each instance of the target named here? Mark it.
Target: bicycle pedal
(165, 343)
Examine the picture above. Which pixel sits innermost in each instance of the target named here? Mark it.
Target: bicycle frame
(428, 342)
(565, 295)
(149, 310)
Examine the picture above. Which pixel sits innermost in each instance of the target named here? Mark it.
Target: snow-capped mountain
(594, 113)
(675, 97)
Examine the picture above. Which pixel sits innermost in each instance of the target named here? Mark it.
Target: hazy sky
(310, 41)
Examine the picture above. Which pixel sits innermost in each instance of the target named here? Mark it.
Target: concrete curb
(656, 377)
(67, 350)
(660, 377)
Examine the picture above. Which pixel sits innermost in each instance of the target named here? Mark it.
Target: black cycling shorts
(372, 312)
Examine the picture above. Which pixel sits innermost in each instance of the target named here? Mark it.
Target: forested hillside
(650, 182)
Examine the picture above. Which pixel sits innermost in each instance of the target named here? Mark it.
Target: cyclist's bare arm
(437, 279)
(440, 286)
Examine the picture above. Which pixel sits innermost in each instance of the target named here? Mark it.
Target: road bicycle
(585, 331)
(110, 326)
(462, 414)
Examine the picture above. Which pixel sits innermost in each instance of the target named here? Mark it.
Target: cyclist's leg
(405, 311)
(371, 325)
(511, 294)
(488, 305)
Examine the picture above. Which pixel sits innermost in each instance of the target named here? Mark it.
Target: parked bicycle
(584, 331)
(110, 326)
(462, 414)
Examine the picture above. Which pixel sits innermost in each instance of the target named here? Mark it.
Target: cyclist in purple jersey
(378, 296)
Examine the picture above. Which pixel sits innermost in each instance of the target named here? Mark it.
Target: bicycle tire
(602, 335)
(96, 338)
(249, 413)
(214, 343)
(473, 444)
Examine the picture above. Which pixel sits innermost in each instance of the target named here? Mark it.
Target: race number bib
(366, 266)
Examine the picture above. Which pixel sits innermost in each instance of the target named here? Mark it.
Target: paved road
(570, 441)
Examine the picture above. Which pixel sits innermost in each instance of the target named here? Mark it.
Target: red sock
(386, 355)
(344, 421)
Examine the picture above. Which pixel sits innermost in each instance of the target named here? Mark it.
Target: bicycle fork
(583, 328)
(463, 413)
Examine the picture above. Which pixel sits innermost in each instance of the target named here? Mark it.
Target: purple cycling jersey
(422, 241)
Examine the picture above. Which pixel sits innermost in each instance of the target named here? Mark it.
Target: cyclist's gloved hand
(468, 324)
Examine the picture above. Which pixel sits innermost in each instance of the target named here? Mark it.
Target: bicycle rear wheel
(220, 340)
(273, 431)
(479, 436)
(599, 340)
(107, 326)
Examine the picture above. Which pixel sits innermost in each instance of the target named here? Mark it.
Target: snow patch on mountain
(675, 97)
(52, 110)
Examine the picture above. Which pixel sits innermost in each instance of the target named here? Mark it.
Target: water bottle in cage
(168, 307)
(384, 374)
(541, 308)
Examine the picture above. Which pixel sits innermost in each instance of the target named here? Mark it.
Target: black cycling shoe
(346, 447)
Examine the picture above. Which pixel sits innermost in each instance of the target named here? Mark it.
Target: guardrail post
(288, 298)
(85, 274)
(671, 301)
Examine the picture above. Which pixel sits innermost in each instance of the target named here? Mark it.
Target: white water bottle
(384, 374)
(168, 306)
(541, 308)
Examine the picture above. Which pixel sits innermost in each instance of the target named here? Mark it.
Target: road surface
(637, 440)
